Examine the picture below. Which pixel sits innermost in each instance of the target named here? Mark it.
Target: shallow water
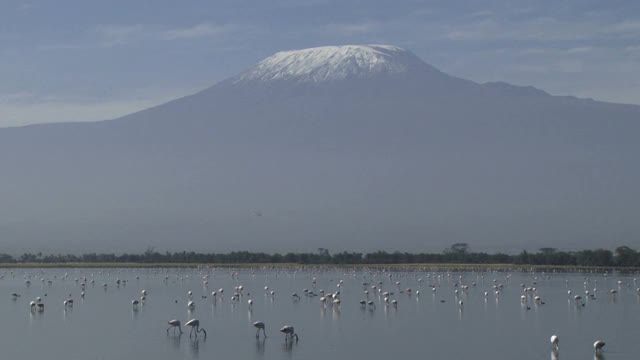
(105, 325)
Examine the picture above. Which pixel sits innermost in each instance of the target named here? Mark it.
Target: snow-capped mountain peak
(330, 63)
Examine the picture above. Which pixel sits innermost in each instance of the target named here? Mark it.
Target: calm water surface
(431, 324)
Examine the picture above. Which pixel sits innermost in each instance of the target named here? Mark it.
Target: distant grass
(458, 266)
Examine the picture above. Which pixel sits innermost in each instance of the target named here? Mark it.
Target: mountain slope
(359, 147)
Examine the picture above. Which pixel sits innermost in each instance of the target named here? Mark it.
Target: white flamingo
(195, 325)
(289, 332)
(259, 325)
(174, 324)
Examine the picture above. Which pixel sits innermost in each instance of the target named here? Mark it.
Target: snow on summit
(330, 63)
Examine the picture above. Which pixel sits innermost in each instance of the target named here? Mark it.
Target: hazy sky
(78, 60)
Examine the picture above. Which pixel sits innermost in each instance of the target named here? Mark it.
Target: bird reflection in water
(195, 346)
(175, 340)
(335, 313)
(260, 342)
(287, 346)
(554, 354)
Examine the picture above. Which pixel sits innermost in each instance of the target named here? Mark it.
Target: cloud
(47, 47)
(20, 96)
(542, 28)
(19, 114)
(196, 31)
(625, 27)
(25, 7)
(535, 29)
(481, 14)
(24, 108)
(113, 35)
(581, 49)
(350, 29)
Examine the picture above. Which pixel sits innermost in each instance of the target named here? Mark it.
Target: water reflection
(174, 340)
(66, 313)
(335, 314)
(194, 348)
(288, 347)
(260, 346)
(554, 354)
(334, 328)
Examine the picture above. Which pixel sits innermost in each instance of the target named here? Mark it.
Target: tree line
(622, 256)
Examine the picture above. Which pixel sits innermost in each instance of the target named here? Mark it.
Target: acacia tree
(626, 256)
(457, 252)
(458, 248)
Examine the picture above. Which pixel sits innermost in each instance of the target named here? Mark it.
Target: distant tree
(523, 258)
(6, 258)
(323, 252)
(458, 248)
(457, 253)
(626, 256)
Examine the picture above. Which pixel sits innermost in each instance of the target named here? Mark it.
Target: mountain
(342, 147)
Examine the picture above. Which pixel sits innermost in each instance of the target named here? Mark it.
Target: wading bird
(174, 324)
(598, 345)
(554, 342)
(195, 325)
(259, 325)
(289, 332)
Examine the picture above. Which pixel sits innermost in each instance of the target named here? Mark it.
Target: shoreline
(394, 266)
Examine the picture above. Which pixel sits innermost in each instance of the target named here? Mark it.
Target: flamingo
(598, 345)
(289, 332)
(554, 342)
(191, 305)
(195, 325)
(260, 326)
(174, 324)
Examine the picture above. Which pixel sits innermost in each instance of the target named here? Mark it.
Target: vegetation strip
(455, 256)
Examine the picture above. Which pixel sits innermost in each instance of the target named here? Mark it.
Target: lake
(427, 322)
